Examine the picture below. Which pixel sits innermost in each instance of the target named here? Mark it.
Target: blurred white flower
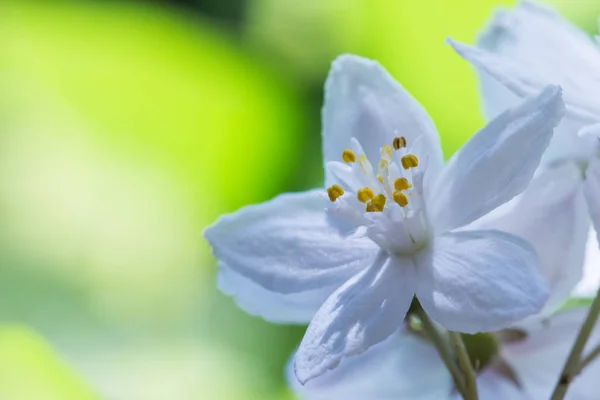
(521, 51)
(388, 232)
(515, 364)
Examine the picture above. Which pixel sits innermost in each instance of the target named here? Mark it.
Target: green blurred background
(128, 126)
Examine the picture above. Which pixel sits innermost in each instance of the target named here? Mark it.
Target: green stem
(572, 366)
(587, 360)
(443, 349)
(470, 378)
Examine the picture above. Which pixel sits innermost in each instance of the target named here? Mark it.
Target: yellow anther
(334, 192)
(409, 161)
(400, 198)
(376, 204)
(379, 178)
(401, 184)
(399, 142)
(386, 151)
(348, 156)
(365, 194)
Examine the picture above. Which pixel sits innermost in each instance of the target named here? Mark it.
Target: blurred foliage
(128, 126)
(29, 369)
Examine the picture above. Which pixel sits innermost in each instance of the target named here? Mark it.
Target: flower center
(386, 204)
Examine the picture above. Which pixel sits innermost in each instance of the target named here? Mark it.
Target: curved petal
(403, 366)
(550, 214)
(363, 312)
(548, 46)
(503, 82)
(281, 308)
(520, 81)
(497, 163)
(479, 281)
(539, 358)
(289, 244)
(363, 101)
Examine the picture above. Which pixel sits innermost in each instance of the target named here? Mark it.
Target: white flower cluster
(400, 251)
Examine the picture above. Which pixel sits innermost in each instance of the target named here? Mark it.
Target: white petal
(593, 131)
(588, 286)
(565, 144)
(592, 191)
(281, 308)
(552, 215)
(363, 101)
(539, 358)
(363, 312)
(519, 81)
(479, 281)
(549, 47)
(545, 47)
(497, 163)
(289, 244)
(403, 366)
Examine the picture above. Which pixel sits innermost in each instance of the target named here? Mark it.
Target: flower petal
(548, 46)
(531, 43)
(538, 359)
(363, 101)
(289, 244)
(281, 308)
(363, 312)
(520, 81)
(552, 215)
(479, 281)
(403, 366)
(497, 163)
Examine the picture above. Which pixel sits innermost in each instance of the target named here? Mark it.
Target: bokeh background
(126, 127)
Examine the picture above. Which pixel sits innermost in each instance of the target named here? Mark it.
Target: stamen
(409, 161)
(402, 184)
(379, 178)
(334, 192)
(364, 163)
(348, 156)
(386, 152)
(400, 198)
(399, 142)
(377, 204)
(365, 194)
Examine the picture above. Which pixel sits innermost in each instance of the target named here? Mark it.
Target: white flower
(389, 230)
(518, 364)
(549, 215)
(522, 50)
